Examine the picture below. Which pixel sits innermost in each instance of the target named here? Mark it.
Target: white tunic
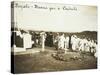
(81, 45)
(74, 43)
(66, 42)
(61, 42)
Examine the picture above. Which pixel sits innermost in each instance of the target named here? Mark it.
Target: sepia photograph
(48, 37)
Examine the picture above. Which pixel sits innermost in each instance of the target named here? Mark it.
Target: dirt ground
(44, 62)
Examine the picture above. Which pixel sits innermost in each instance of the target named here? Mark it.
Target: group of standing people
(83, 44)
(73, 42)
(60, 41)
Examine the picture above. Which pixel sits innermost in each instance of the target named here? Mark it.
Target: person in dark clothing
(70, 45)
(49, 39)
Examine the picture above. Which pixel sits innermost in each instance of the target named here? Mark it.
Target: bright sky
(84, 18)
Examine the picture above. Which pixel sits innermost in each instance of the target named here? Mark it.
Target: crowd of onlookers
(75, 43)
(60, 41)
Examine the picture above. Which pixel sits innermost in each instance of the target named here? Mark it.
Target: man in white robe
(66, 43)
(81, 48)
(74, 42)
(61, 41)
